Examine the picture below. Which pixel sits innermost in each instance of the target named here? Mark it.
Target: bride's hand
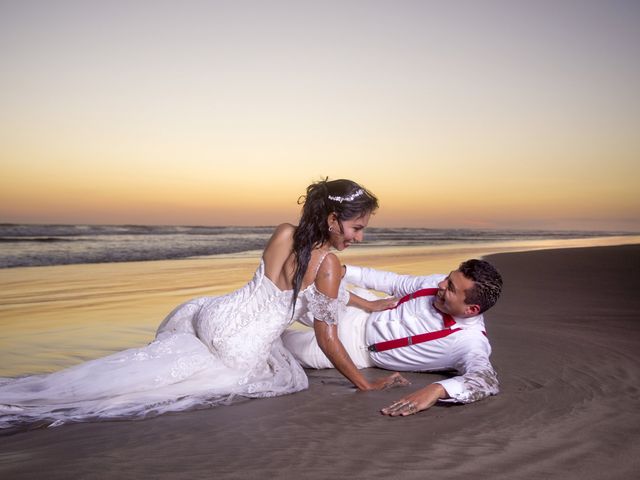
(382, 304)
(390, 381)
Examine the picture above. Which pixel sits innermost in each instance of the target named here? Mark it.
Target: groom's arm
(476, 380)
(388, 282)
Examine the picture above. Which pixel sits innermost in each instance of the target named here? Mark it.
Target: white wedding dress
(206, 352)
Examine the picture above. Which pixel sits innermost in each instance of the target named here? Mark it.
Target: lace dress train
(206, 352)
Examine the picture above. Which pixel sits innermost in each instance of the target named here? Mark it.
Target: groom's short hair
(487, 283)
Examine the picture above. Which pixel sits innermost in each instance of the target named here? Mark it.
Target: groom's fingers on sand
(404, 406)
(388, 410)
(395, 412)
(398, 408)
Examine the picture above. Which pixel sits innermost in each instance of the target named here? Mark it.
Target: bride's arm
(327, 283)
(371, 305)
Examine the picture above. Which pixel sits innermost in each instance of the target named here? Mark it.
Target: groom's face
(452, 294)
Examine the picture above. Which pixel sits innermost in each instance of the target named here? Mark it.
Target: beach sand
(565, 339)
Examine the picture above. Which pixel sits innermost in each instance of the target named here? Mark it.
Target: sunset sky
(496, 114)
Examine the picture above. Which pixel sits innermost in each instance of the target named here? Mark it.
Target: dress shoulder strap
(315, 274)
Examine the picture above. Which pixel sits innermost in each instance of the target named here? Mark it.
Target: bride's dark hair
(345, 198)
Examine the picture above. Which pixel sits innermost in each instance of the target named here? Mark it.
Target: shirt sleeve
(389, 282)
(476, 377)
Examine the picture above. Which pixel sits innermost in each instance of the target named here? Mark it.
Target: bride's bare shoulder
(280, 244)
(285, 230)
(283, 234)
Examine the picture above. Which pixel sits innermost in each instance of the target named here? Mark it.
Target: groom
(437, 324)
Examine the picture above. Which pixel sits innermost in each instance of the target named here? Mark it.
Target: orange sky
(463, 115)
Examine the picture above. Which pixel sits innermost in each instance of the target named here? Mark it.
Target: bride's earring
(330, 229)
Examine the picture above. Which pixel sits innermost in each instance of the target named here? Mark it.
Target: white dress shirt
(466, 352)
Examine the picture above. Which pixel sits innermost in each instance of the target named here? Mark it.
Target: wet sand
(565, 338)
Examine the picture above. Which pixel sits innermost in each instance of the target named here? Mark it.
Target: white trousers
(304, 347)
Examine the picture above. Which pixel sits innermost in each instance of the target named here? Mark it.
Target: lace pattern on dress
(324, 308)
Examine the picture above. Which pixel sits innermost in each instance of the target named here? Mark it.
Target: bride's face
(352, 231)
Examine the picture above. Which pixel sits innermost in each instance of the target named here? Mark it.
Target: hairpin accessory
(348, 198)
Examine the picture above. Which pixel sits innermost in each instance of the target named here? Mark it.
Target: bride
(211, 349)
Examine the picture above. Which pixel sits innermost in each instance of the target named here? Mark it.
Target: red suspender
(427, 292)
(423, 337)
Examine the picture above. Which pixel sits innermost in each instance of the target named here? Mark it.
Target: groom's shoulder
(428, 281)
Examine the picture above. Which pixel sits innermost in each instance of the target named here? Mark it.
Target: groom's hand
(416, 401)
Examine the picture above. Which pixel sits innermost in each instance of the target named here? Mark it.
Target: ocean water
(23, 245)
